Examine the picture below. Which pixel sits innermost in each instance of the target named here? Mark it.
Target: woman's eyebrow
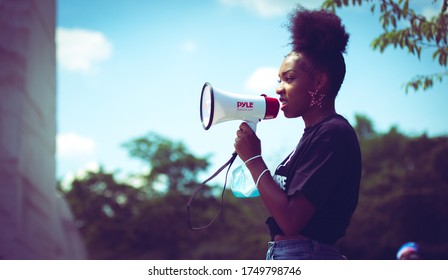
(287, 71)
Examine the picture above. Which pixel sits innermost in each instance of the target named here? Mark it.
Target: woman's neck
(316, 115)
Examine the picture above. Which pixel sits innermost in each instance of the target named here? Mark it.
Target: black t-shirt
(326, 168)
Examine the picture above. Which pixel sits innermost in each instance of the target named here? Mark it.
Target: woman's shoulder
(336, 126)
(337, 122)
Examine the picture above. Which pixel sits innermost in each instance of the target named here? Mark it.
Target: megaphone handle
(252, 124)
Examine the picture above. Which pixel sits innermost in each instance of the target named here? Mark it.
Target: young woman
(314, 191)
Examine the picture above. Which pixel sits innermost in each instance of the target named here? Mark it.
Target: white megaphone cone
(220, 106)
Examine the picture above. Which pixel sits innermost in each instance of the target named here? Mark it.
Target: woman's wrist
(256, 166)
(254, 161)
(251, 159)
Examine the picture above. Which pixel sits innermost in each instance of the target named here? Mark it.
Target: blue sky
(133, 67)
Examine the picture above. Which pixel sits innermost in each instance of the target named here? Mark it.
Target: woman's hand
(247, 144)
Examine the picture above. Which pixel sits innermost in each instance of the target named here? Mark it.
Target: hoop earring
(316, 98)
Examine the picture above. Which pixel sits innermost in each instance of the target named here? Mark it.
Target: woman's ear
(322, 82)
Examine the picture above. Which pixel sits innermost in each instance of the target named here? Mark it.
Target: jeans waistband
(307, 248)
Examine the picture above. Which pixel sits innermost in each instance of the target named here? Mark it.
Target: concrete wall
(34, 222)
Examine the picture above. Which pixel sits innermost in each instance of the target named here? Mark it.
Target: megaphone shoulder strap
(202, 186)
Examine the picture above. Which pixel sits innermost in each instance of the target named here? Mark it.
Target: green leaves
(403, 194)
(333, 4)
(405, 29)
(424, 82)
(167, 160)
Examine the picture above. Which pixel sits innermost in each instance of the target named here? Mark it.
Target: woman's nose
(280, 89)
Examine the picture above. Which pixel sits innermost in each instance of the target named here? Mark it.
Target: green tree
(403, 196)
(120, 221)
(169, 162)
(406, 29)
(364, 127)
(105, 212)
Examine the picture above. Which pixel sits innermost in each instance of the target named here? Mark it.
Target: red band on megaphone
(272, 107)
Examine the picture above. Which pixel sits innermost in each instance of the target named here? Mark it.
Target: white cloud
(80, 173)
(73, 145)
(80, 49)
(272, 8)
(263, 80)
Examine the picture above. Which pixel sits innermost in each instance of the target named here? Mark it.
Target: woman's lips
(283, 103)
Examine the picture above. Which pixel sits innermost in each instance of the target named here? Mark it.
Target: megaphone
(219, 106)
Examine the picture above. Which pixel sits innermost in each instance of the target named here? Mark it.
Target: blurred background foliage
(404, 195)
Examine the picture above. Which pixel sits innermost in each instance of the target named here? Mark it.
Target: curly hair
(320, 35)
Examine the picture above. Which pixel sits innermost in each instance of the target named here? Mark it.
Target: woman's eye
(286, 79)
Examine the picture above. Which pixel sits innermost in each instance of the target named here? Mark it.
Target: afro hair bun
(318, 32)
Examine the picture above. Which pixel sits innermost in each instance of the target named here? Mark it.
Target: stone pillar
(35, 223)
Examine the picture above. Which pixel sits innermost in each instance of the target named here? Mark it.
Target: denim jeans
(302, 250)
